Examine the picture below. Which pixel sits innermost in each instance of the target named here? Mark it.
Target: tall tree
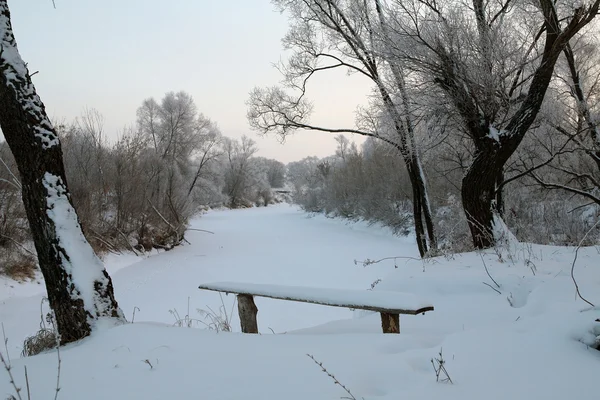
(79, 288)
(176, 133)
(493, 62)
(347, 34)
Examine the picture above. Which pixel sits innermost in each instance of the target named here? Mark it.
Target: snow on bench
(389, 304)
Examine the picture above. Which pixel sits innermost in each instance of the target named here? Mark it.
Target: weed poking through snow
(8, 366)
(439, 366)
(333, 378)
(133, 316)
(46, 338)
(219, 320)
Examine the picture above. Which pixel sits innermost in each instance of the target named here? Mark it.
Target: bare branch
(575, 260)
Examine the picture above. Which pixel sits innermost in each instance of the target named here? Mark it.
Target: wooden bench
(389, 304)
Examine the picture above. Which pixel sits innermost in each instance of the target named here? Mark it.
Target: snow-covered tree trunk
(79, 288)
(422, 206)
(479, 192)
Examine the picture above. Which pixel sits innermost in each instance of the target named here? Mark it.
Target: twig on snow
(575, 260)
(493, 288)
(368, 261)
(335, 380)
(488, 272)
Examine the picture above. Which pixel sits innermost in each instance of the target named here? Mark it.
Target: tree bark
(417, 212)
(425, 204)
(478, 193)
(64, 256)
(499, 193)
(247, 311)
(390, 323)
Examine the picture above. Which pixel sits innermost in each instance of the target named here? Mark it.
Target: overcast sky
(112, 54)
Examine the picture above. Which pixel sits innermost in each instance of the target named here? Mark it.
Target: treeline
(370, 183)
(138, 194)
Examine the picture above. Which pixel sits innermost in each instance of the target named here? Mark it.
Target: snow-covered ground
(527, 342)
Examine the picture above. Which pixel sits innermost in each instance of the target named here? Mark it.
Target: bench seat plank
(381, 301)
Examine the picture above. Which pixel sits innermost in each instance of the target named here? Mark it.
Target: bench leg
(390, 323)
(247, 311)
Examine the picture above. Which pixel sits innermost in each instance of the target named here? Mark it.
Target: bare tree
(347, 34)
(176, 133)
(493, 63)
(239, 178)
(79, 288)
(86, 160)
(208, 150)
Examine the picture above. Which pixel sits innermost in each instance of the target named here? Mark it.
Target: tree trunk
(478, 194)
(425, 205)
(422, 215)
(413, 167)
(247, 311)
(79, 289)
(480, 197)
(405, 129)
(390, 323)
(418, 214)
(499, 193)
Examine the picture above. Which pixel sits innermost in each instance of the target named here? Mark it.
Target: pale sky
(112, 54)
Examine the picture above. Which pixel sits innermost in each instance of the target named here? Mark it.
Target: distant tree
(274, 171)
(302, 174)
(208, 149)
(79, 288)
(86, 160)
(237, 174)
(180, 147)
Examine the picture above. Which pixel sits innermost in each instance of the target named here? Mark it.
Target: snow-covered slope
(527, 342)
